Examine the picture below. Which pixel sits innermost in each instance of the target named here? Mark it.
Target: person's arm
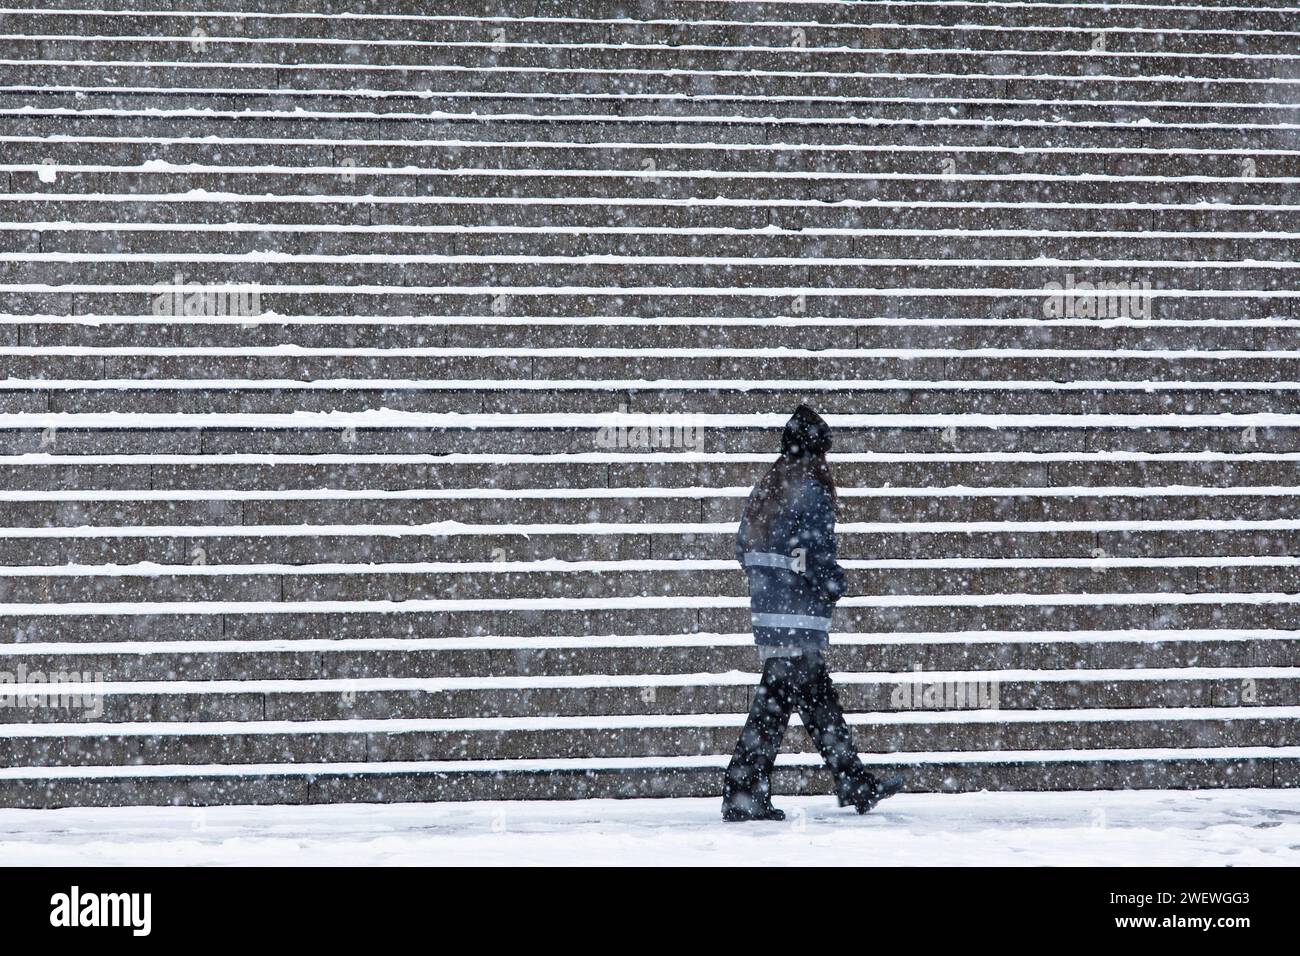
(818, 538)
(742, 538)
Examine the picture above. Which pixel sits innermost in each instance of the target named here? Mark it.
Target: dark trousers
(790, 683)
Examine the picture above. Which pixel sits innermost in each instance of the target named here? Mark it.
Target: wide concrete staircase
(381, 390)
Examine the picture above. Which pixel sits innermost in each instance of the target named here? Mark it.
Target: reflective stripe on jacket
(794, 577)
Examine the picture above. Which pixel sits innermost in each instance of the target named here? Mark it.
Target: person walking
(786, 544)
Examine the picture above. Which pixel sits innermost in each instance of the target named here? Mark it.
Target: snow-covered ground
(1212, 828)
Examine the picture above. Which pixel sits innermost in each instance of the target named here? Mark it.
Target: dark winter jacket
(794, 577)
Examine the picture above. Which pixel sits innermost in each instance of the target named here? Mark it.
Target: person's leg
(818, 703)
(819, 707)
(746, 790)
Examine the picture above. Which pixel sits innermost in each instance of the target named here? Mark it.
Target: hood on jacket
(806, 433)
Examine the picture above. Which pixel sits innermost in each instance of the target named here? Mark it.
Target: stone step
(283, 621)
(576, 505)
(367, 162)
(1027, 133)
(1033, 581)
(1167, 52)
(369, 699)
(172, 434)
(160, 659)
(738, 274)
(633, 374)
(650, 777)
(575, 241)
(953, 398)
(401, 543)
(1189, 13)
(471, 188)
(726, 301)
(1189, 305)
(628, 470)
(543, 738)
(314, 84)
(407, 212)
(1163, 30)
(154, 332)
(917, 108)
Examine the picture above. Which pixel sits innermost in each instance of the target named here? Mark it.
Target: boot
(746, 809)
(863, 791)
(747, 791)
